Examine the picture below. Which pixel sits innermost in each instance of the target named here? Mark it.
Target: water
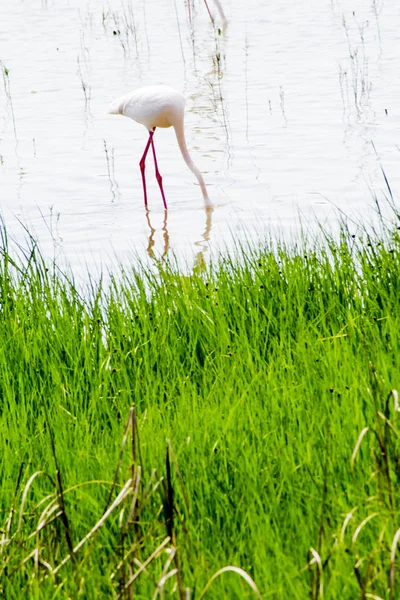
(291, 112)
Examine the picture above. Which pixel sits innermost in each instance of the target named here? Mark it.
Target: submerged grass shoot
(229, 433)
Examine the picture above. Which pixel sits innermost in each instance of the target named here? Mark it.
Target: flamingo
(158, 106)
(219, 8)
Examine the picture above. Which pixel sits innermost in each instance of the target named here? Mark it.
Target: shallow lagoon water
(292, 112)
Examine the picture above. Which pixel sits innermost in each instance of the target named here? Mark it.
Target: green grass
(262, 372)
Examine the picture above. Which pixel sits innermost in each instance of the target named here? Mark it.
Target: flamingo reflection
(151, 243)
(199, 263)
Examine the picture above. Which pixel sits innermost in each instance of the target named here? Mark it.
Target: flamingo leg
(209, 11)
(143, 166)
(158, 176)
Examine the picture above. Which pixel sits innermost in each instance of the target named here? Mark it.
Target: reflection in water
(150, 246)
(200, 263)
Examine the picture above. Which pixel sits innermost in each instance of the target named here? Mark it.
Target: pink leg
(143, 166)
(158, 176)
(209, 12)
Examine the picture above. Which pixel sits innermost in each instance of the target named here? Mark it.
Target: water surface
(292, 111)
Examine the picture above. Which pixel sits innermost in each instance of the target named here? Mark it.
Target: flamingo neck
(180, 136)
(221, 12)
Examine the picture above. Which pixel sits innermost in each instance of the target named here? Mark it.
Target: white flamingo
(158, 106)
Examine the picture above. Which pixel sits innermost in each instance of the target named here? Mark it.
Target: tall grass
(169, 426)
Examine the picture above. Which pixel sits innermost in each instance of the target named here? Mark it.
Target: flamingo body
(152, 106)
(158, 106)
